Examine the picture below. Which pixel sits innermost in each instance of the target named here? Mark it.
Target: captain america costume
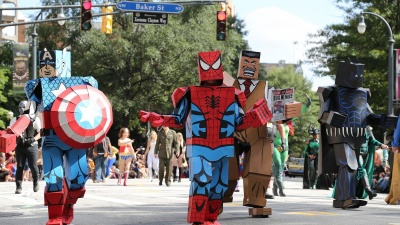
(75, 116)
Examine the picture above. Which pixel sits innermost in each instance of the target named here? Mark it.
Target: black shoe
(35, 186)
(168, 184)
(160, 183)
(268, 196)
(281, 193)
(371, 194)
(18, 191)
(179, 180)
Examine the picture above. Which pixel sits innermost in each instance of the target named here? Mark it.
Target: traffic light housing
(106, 21)
(86, 15)
(221, 26)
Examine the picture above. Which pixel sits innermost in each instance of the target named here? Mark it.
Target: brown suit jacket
(252, 135)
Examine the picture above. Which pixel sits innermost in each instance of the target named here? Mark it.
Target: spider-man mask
(210, 67)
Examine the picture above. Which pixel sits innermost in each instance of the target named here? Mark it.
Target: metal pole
(34, 47)
(34, 52)
(391, 76)
(390, 65)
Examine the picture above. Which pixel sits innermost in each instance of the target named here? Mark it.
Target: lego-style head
(55, 63)
(249, 65)
(47, 64)
(349, 74)
(210, 68)
(22, 107)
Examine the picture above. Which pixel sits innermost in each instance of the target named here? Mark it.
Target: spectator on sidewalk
(152, 160)
(100, 156)
(111, 160)
(4, 172)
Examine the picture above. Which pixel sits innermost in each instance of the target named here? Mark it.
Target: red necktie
(247, 83)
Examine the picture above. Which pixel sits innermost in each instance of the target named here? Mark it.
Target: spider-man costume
(211, 113)
(344, 115)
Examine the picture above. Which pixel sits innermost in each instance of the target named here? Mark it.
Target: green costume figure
(311, 153)
(366, 165)
(279, 157)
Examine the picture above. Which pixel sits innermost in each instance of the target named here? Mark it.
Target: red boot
(197, 209)
(213, 208)
(55, 204)
(71, 198)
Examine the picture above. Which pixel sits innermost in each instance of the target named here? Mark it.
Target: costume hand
(144, 116)
(284, 147)
(28, 141)
(260, 113)
(9, 131)
(308, 101)
(395, 150)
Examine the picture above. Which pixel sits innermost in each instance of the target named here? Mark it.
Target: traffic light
(221, 25)
(106, 21)
(86, 14)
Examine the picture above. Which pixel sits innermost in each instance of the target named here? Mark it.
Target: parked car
(295, 167)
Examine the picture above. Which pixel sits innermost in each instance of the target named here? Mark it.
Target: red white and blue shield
(81, 116)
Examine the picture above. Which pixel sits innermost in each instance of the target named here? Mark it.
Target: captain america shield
(81, 116)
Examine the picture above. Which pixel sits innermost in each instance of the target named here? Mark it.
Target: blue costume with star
(44, 91)
(76, 116)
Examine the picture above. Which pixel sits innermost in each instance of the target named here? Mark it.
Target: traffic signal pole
(202, 2)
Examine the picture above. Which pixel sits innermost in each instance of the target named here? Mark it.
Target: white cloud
(273, 32)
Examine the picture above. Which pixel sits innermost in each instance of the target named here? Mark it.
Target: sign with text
(151, 7)
(150, 18)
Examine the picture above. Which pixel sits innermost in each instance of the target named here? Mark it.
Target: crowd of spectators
(381, 175)
(8, 167)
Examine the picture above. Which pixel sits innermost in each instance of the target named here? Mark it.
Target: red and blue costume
(211, 113)
(76, 116)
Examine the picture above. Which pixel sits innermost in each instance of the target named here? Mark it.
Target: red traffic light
(87, 5)
(221, 15)
(221, 26)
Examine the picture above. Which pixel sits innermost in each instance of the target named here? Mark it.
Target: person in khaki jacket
(165, 146)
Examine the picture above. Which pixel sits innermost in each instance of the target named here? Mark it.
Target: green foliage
(285, 78)
(6, 56)
(337, 41)
(5, 77)
(139, 66)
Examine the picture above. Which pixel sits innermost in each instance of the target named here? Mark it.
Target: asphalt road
(146, 203)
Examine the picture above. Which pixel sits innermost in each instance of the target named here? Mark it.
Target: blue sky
(275, 25)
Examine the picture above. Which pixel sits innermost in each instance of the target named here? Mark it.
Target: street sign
(150, 7)
(150, 18)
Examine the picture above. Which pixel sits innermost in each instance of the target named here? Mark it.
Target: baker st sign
(150, 7)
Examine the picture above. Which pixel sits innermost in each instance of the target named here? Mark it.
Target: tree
(336, 42)
(5, 87)
(139, 66)
(286, 77)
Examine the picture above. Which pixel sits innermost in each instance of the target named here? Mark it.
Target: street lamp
(361, 29)
(61, 15)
